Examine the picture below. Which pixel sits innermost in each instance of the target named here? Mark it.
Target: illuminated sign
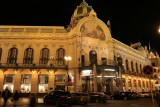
(86, 72)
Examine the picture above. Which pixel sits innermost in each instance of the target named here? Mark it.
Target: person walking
(6, 94)
(15, 97)
(32, 102)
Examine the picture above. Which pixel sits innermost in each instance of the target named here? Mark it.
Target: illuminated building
(32, 57)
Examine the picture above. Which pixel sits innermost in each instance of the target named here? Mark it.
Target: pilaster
(34, 83)
(17, 82)
(51, 82)
(1, 80)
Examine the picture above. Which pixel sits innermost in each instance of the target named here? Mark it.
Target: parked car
(108, 95)
(125, 96)
(58, 97)
(98, 97)
(145, 94)
(80, 98)
(135, 95)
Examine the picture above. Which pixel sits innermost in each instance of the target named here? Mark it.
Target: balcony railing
(53, 65)
(89, 63)
(31, 66)
(133, 73)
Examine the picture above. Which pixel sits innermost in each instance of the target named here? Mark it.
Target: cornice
(127, 49)
(33, 32)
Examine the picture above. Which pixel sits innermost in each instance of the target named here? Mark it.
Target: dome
(82, 10)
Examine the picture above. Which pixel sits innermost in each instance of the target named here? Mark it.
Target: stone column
(17, 81)
(95, 78)
(132, 85)
(20, 56)
(1, 80)
(78, 81)
(88, 84)
(51, 82)
(4, 54)
(34, 83)
(141, 84)
(145, 85)
(126, 88)
(137, 87)
(36, 55)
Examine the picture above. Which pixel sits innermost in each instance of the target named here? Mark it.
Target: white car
(145, 94)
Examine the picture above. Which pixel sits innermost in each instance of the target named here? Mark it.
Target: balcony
(89, 63)
(30, 66)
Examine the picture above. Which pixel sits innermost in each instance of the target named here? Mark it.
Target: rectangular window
(26, 79)
(9, 78)
(104, 61)
(43, 79)
(83, 60)
(60, 78)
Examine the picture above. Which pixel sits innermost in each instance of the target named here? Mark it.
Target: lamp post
(67, 58)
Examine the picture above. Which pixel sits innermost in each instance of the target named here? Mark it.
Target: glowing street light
(68, 58)
(159, 29)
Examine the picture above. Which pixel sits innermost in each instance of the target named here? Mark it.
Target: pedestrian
(15, 97)
(6, 94)
(32, 102)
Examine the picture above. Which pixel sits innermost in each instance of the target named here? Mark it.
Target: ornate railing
(31, 66)
(54, 65)
(89, 63)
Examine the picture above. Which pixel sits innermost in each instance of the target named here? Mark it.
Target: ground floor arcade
(137, 83)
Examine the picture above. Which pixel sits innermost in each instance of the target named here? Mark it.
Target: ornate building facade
(32, 58)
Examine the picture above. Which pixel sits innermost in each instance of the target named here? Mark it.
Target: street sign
(148, 70)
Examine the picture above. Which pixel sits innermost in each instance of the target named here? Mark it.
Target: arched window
(137, 68)
(28, 56)
(120, 61)
(44, 56)
(93, 57)
(12, 56)
(140, 68)
(60, 56)
(104, 61)
(127, 66)
(132, 66)
(0, 53)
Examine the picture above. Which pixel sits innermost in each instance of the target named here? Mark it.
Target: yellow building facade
(32, 58)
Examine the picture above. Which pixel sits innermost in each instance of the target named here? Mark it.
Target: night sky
(131, 20)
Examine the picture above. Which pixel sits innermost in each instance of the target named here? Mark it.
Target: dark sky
(131, 20)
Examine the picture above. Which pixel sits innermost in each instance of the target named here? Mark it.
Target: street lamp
(159, 29)
(67, 58)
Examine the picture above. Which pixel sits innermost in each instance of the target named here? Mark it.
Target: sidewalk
(22, 101)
